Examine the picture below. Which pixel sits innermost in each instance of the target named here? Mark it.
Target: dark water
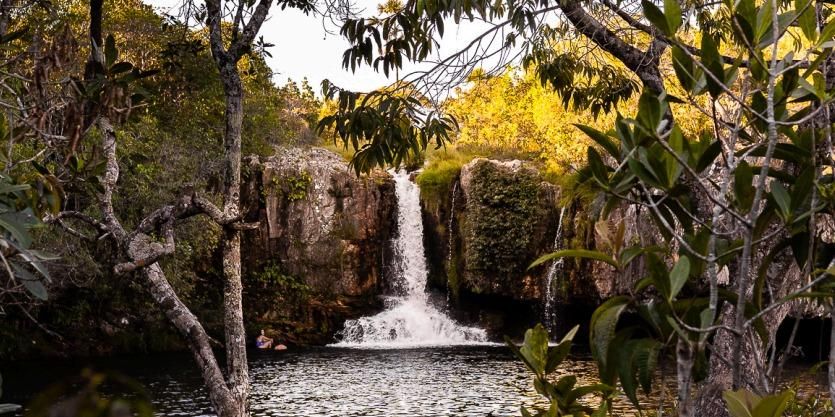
(459, 381)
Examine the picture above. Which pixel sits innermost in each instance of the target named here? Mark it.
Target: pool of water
(451, 381)
(459, 381)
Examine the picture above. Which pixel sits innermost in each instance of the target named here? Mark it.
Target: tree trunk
(223, 400)
(228, 394)
(236, 363)
(784, 276)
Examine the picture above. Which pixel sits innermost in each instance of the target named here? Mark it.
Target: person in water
(264, 342)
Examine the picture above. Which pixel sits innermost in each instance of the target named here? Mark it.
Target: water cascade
(554, 271)
(409, 320)
(451, 241)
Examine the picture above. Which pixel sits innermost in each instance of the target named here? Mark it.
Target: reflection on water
(460, 381)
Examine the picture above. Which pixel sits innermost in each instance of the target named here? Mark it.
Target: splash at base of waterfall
(409, 319)
(409, 323)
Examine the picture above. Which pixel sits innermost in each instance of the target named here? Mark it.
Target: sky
(304, 48)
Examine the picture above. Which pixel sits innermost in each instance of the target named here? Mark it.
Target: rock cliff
(493, 220)
(324, 236)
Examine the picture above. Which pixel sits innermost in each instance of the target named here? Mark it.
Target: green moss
(502, 215)
(291, 187)
(296, 186)
(453, 276)
(444, 167)
(437, 179)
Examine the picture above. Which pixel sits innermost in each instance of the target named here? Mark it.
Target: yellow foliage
(513, 112)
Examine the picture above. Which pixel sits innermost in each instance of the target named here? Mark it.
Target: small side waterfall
(554, 272)
(451, 239)
(409, 320)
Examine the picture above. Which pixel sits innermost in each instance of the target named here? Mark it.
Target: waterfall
(554, 271)
(409, 320)
(451, 240)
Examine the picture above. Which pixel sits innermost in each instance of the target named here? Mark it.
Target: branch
(55, 218)
(213, 21)
(111, 177)
(152, 252)
(243, 44)
(634, 59)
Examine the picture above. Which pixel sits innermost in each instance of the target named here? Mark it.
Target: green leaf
(12, 223)
(827, 33)
(629, 254)
(656, 17)
(740, 403)
(121, 67)
(806, 18)
(708, 156)
(580, 392)
(674, 167)
(31, 282)
(659, 275)
(602, 139)
(782, 198)
(801, 192)
(558, 353)
(672, 13)
(602, 411)
(604, 320)
(679, 275)
(650, 111)
(713, 62)
(575, 253)
(785, 151)
(623, 359)
(763, 26)
(646, 360)
(598, 168)
(566, 383)
(800, 248)
(535, 349)
(744, 186)
(773, 405)
(745, 16)
(688, 76)
(13, 188)
(35, 263)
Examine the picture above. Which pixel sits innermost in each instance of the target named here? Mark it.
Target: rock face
(322, 228)
(494, 220)
(321, 252)
(497, 218)
(507, 212)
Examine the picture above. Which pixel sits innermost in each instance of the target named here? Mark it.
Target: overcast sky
(304, 48)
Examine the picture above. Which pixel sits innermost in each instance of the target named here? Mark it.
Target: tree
(744, 200)
(104, 80)
(99, 124)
